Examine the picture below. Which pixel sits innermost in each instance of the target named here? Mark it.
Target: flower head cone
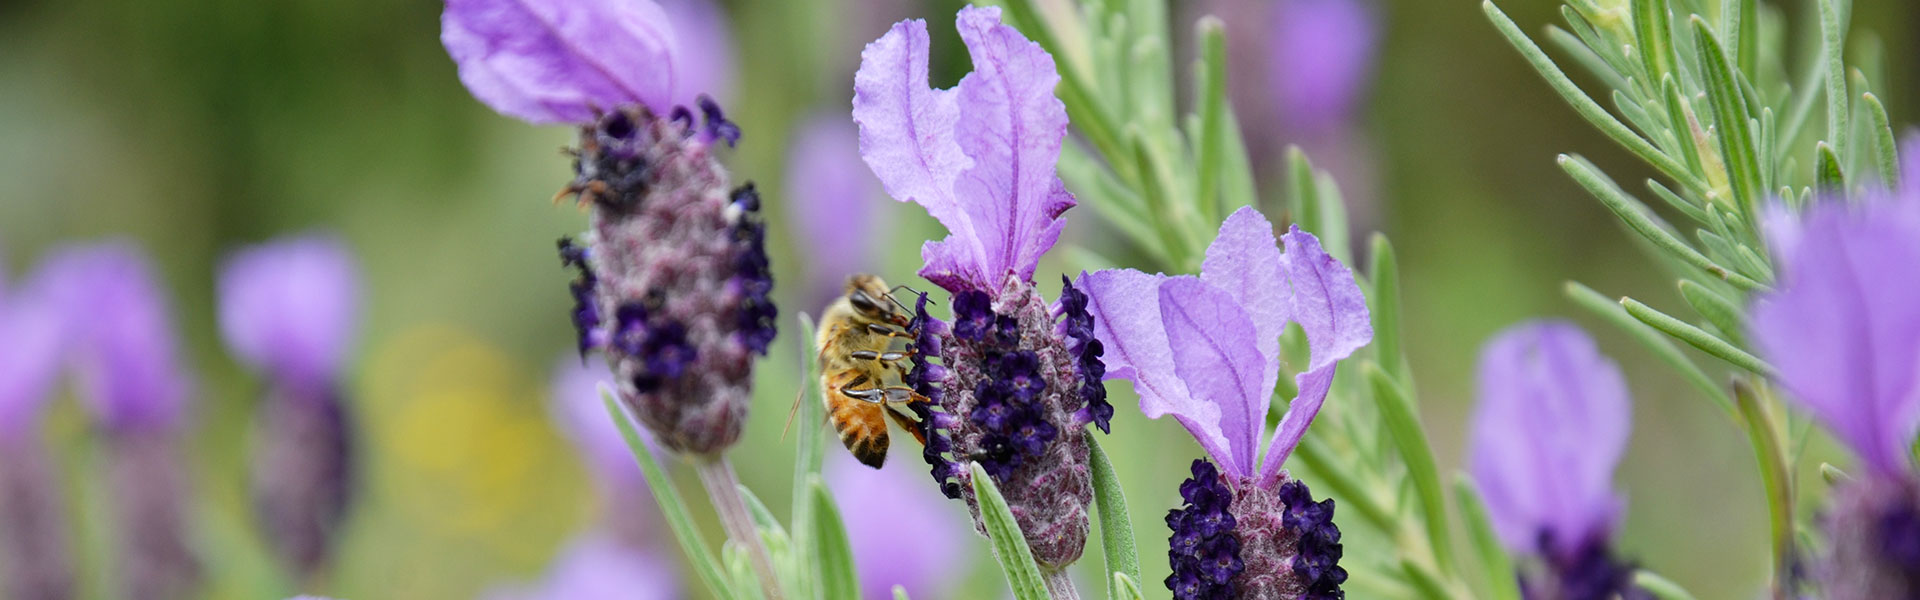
(288, 310)
(1843, 333)
(673, 281)
(1014, 394)
(1551, 424)
(1206, 350)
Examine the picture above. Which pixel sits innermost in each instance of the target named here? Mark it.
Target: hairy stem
(1059, 586)
(716, 473)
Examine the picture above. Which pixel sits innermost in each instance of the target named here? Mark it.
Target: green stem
(1060, 586)
(1774, 476)
(716, 473)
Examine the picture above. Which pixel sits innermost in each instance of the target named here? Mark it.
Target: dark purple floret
(1203, 552)
(666, 355)
(1317, 557)
(1589, 573)
(924, 378)
(1900, 540)
(1873, 532)
(718, 127)
(1076, 325)
(973, 315)
(586, 312)
(752, 272)
(303, 475)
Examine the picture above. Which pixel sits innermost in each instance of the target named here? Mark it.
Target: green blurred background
(196, 126)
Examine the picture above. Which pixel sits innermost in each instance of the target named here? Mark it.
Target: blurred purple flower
(703, 62)
(1552, 423)
(925, 560)
(1020, 378)
(34, 550)
(122, 339)
(1206, 350)
(290, 308)
(833, 203)
(594, 567)
(1320, 61)
(577, 409)
(561, 61)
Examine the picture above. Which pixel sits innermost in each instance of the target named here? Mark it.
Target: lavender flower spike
(288, 309)
(562, 61)
(1552, 422)
(1843, 332)
(133, 383)
(35, 559)
(1206, 350)
(1020, 379)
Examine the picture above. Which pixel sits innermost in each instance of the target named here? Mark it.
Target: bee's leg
(907, 423)
(874, 394)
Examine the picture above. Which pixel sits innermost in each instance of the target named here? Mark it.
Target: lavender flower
(832, 198)
(131, 380)
(600, 568)
(1018, 389)
(1552, 423)
(35, 563)
(1843, 332)
(703, 60)
(1320, 60)
(288, 309)
(673, 276)
(925, 561)
(1206, 350)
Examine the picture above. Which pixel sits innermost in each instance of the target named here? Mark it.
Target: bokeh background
(197, 126)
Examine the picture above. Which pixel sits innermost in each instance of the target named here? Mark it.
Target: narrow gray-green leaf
(1127, 589)
(1397, 413)
(1660, 587)
(1826, 169)
(1116, 526)
(1833, 475)
(1634, 214)
(1661, 346)
(1717, 309)
(1696, 337)
(1384, 275)
(1213, 114)
(1584, 105)
(809, 448)
(1009, 545)
(1651, 29)
(1340, 479)
(1496, 567)
(1679, 113)
(1730, 117)
(900, 593)
(1833, 32)
(837, 575)
(1880, 135)
(675, 509)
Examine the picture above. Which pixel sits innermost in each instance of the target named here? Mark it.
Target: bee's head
(868, 295)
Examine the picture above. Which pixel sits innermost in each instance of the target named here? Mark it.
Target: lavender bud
(155, 562)
(1874, 528)
(676, 257)
(1013, 400)
(1235, 538)
(34, 560)
(302, 475)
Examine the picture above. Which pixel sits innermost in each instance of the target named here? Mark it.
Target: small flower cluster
(751, 271)
(1007, 412)
(1076, 326)
(925, 380)
(1316, 559)
(1203, 550)
(1589, 573)
(586, 313)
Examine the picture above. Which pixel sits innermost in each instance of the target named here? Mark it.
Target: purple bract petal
(124, 342)
(29, 359)
(834, 205)
(290, 307)
(1321, 58)
(1843, 329)
(1244, 260)
(703, 61)
(1214, 351)
(1552, 422)
(926, 558)
(558, 61)
(1328, 305)
(581, 414)
(979, 157)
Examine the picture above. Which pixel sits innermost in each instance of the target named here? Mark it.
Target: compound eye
(862, 302)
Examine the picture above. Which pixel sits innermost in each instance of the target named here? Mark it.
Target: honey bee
(865, 350)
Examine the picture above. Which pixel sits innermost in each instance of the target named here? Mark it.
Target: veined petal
(289, 307)
(1012, 126)
(1212, 342)
(558, 61)
(1127, 320)
(1328, 305)
(1244, 260)
(1843, 329)
(1552, 422)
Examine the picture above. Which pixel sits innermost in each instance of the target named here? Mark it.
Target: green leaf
(1826, 169)
(1497, 573)
(1212, 75)
(900, 593)
(1424, 581)
(1125, 588)
(837, 577)
(1696, 337)
(1116, 527)
(1009, 545)
(1746, 26)
(1652, 30)
(1775, 476)
(1397, 414)
(1833, 32)
(1342, 482)
(1833, 475)
(1675, 201)
(1884, 148)
(1634, 214)
(1661, 346)
(1679, 115)
(1660, 587)
(1718, 310)
(1384, 275)
(740, 568)
(1735, 132)
(675, 510)
(809, 451)
(1584, 105)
